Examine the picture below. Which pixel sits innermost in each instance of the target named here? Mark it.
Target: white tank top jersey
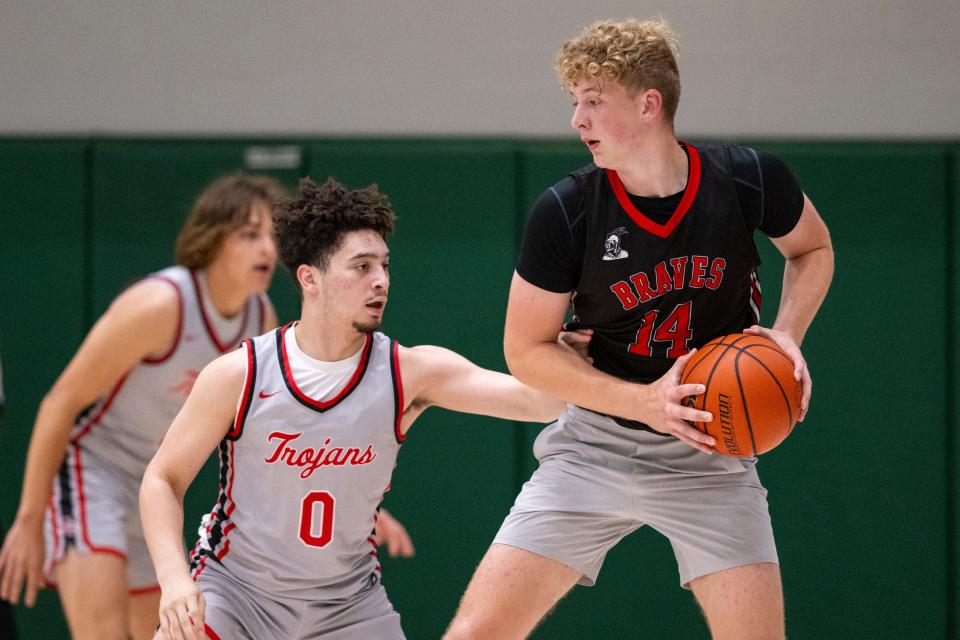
(301, 479)
(124, 428)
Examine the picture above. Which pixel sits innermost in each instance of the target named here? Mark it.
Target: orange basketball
(751, 393)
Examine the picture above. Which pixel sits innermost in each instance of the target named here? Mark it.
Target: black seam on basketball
(776, 381)
(706, 384)
(776, 350)
(743, 397)
(701, 355)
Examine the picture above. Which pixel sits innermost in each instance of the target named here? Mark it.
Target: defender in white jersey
(308, 420)
(102, 421)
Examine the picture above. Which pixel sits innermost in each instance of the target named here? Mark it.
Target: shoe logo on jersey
(183, 387)
(269, 395)
(611, 246)
(312, 459)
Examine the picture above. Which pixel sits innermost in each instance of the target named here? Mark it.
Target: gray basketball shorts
(598, 482)
(236, 611)
(94, 508)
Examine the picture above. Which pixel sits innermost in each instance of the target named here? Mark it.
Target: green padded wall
(858, 493)
(42, 229)
(142, 193)
(451, 260)
(953, 389)
(862, 506)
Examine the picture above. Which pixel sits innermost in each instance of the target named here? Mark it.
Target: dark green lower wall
(862, 496)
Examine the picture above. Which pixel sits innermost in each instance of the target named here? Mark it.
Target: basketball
(750, 390)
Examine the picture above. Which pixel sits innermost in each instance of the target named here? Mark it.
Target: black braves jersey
(654, 287)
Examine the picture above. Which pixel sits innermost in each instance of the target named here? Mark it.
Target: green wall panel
(953, 388)
(42, 226)
(142, 194)
(451, 261)
(863, 495)
(858, 493)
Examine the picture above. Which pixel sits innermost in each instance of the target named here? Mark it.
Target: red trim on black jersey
(303, 398)
(92, 422)
(247, 394)
(222, 346)
(176, 337)
(689, 193)
(397, 392)
(756, 297)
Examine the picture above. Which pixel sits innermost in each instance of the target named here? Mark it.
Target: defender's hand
(578, 341)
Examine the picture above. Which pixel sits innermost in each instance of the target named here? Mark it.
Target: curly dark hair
(311, 224)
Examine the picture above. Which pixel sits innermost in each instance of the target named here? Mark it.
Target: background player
(653, 246)
(316, 412)
(100, 424)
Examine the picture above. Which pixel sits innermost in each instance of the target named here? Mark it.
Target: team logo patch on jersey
(612, 249)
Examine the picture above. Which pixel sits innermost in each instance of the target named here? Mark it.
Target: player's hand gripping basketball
(21, 562)
(800, 372)
(666, 412)
(182, 611)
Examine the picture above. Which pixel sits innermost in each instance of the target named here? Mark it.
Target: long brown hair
(223, 207)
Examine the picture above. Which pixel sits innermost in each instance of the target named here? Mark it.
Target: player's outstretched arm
(534, 316)
(434, 376)
(195, 432)
(141, 322)
(806, 278)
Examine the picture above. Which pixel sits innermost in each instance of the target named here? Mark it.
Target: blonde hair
(637, 54)
(223, 207)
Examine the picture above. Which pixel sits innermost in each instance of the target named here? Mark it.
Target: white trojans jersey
(301, 479)
(125, 426)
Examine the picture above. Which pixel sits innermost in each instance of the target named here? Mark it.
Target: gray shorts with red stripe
(93, 508)
(239, 611)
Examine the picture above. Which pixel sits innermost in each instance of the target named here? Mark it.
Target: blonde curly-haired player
(653, 245)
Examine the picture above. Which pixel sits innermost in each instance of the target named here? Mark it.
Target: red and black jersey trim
(85, 422)
(397, 392)
(176, 338)
(246, 396)
(300, 396)
(213, 542)
(222, 346)
(689, 194)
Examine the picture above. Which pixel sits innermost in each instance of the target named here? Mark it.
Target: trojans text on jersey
(312, 459)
